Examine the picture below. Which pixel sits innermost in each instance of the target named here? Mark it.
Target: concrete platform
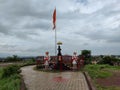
(36, 80)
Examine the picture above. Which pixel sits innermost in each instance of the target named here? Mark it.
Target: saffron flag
(54, 19)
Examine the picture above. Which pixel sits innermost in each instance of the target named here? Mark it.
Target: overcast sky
(26, 26)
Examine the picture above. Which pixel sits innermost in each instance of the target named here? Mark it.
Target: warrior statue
(46, 60)
(74, 60)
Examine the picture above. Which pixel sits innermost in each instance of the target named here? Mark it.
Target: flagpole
(54, 28)
(55, 42)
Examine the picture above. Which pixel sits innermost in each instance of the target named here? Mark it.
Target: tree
(111, 60)
(12, 58)
(87, 56)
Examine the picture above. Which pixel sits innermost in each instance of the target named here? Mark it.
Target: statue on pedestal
(59, 59)
(74, 60)
(60, 65)
(46, 60)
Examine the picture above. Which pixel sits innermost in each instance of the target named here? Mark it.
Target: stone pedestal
(59, 59)
(60, 65)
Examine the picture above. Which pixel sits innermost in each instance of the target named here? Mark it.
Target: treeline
(101, 59)
(12, 58)
(111, 60)
(16, 58)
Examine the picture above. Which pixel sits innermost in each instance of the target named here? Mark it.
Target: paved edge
(22, 84)
(89, 81)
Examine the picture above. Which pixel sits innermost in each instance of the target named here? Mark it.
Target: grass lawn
(105, 77)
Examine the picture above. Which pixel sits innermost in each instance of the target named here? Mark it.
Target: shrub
(10, 70)
(109, 60)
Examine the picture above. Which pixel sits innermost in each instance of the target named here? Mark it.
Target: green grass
(101, 71)
(1, 72)
(112, 68)
(107, 88)
(98, 71)
(10, 83)
(27, 63)
(10, 78)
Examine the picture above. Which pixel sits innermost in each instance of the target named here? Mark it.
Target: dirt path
(36, 80)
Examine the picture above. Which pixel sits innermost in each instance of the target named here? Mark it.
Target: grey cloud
(115, 36)
(4, 29)
(7, 46)
(98, 29)
(39, 25)
(85, 44)
(100, 35)
(29, 22)
(18, 9)
(25, 35)
(16, 12)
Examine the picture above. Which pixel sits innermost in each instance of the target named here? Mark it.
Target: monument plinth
(60, 64)
(59, 57)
